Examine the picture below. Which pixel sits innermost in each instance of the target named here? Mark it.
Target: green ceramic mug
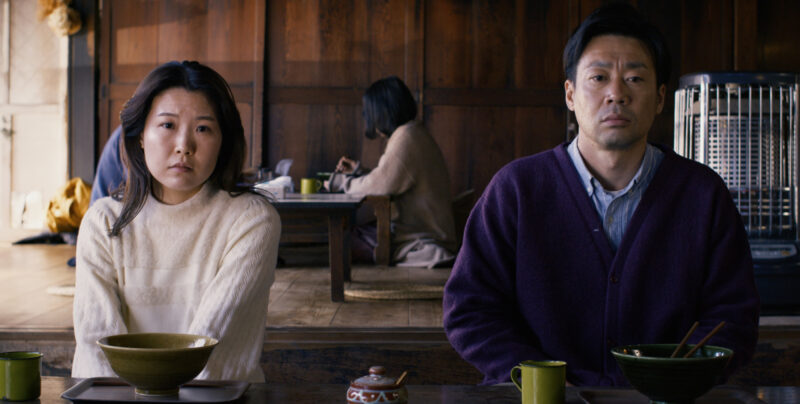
(20, 375)
(310, 185)
(541, 382)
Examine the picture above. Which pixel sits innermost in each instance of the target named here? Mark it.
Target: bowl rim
(727, 352)
(103, 342)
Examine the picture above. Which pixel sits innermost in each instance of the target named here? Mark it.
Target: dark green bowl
(157, 364)
(653, 373)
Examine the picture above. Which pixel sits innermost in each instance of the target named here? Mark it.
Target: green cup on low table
(310, 185)
(20, 375)
(541, 382)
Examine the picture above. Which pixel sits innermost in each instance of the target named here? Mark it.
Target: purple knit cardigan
(536, 277)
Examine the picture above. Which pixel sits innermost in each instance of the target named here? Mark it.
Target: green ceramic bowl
(157, 364)
(662, 379)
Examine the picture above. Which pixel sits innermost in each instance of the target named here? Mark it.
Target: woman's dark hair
(618, 19)
(388, 104)
(191, 76)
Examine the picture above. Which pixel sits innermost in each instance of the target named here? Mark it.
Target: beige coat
(412, 170)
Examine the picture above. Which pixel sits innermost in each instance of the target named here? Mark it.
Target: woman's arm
(348, 166)
(390, 177)
(233, 308)
(97, 308)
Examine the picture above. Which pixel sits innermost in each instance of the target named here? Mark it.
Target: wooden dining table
(261, 393)
(340, 210)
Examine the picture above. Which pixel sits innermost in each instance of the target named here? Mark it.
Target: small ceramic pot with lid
(377, 388)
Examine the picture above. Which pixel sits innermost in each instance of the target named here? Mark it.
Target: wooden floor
(300, 296)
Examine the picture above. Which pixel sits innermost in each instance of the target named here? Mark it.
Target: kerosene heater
(745, 127)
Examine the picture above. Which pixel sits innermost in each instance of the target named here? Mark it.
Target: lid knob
(377, 370)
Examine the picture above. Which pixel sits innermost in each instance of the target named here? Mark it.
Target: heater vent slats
(746, 129)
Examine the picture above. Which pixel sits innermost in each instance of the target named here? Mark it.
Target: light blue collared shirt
(616, 207)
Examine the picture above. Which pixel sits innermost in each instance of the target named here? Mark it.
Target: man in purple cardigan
(604, 241)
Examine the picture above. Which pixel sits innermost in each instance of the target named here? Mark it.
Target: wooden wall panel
(488, 66)
(387, 20)
(778, 33)
(478, 141)
(541, 30)
(446, 56)
(492, 45)
(745, 35)
(487, 74)
(492, 147)
(321, 43)
(134, 40)
(314, 136)
(178, 39)
(236, 42)
(706, 36)
(666, 16)
(540, 128)
(511, 44)
(447, 126)
(322, 56)
(228, 36)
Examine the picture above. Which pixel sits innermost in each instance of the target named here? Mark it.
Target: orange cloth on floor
(66, 209)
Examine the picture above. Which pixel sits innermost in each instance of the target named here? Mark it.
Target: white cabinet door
(33, 121)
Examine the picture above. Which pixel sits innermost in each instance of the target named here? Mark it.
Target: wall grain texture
(487, 75)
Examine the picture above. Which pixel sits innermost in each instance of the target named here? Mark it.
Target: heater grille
(744, 126)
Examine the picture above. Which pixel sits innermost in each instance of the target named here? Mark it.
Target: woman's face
(181, 142)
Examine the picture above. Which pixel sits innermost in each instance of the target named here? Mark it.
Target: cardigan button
(614, 279)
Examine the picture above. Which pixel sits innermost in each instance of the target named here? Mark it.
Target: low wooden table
(340, 210)
(53, 387)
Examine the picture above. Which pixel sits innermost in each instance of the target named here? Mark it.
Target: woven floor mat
(61, 290)
(393, 291)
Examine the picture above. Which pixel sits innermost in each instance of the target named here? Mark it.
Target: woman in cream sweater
(181, 248)
(412, 170)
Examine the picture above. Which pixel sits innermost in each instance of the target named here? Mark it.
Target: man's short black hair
(387, 105)
(617, 19)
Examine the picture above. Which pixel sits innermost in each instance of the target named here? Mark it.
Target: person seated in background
(110, 172)
(604, 241)
(183, 248)
(412, 171)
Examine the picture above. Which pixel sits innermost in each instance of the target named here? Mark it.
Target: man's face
(615, 95)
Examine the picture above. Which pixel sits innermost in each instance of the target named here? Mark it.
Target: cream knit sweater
(204, 267)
